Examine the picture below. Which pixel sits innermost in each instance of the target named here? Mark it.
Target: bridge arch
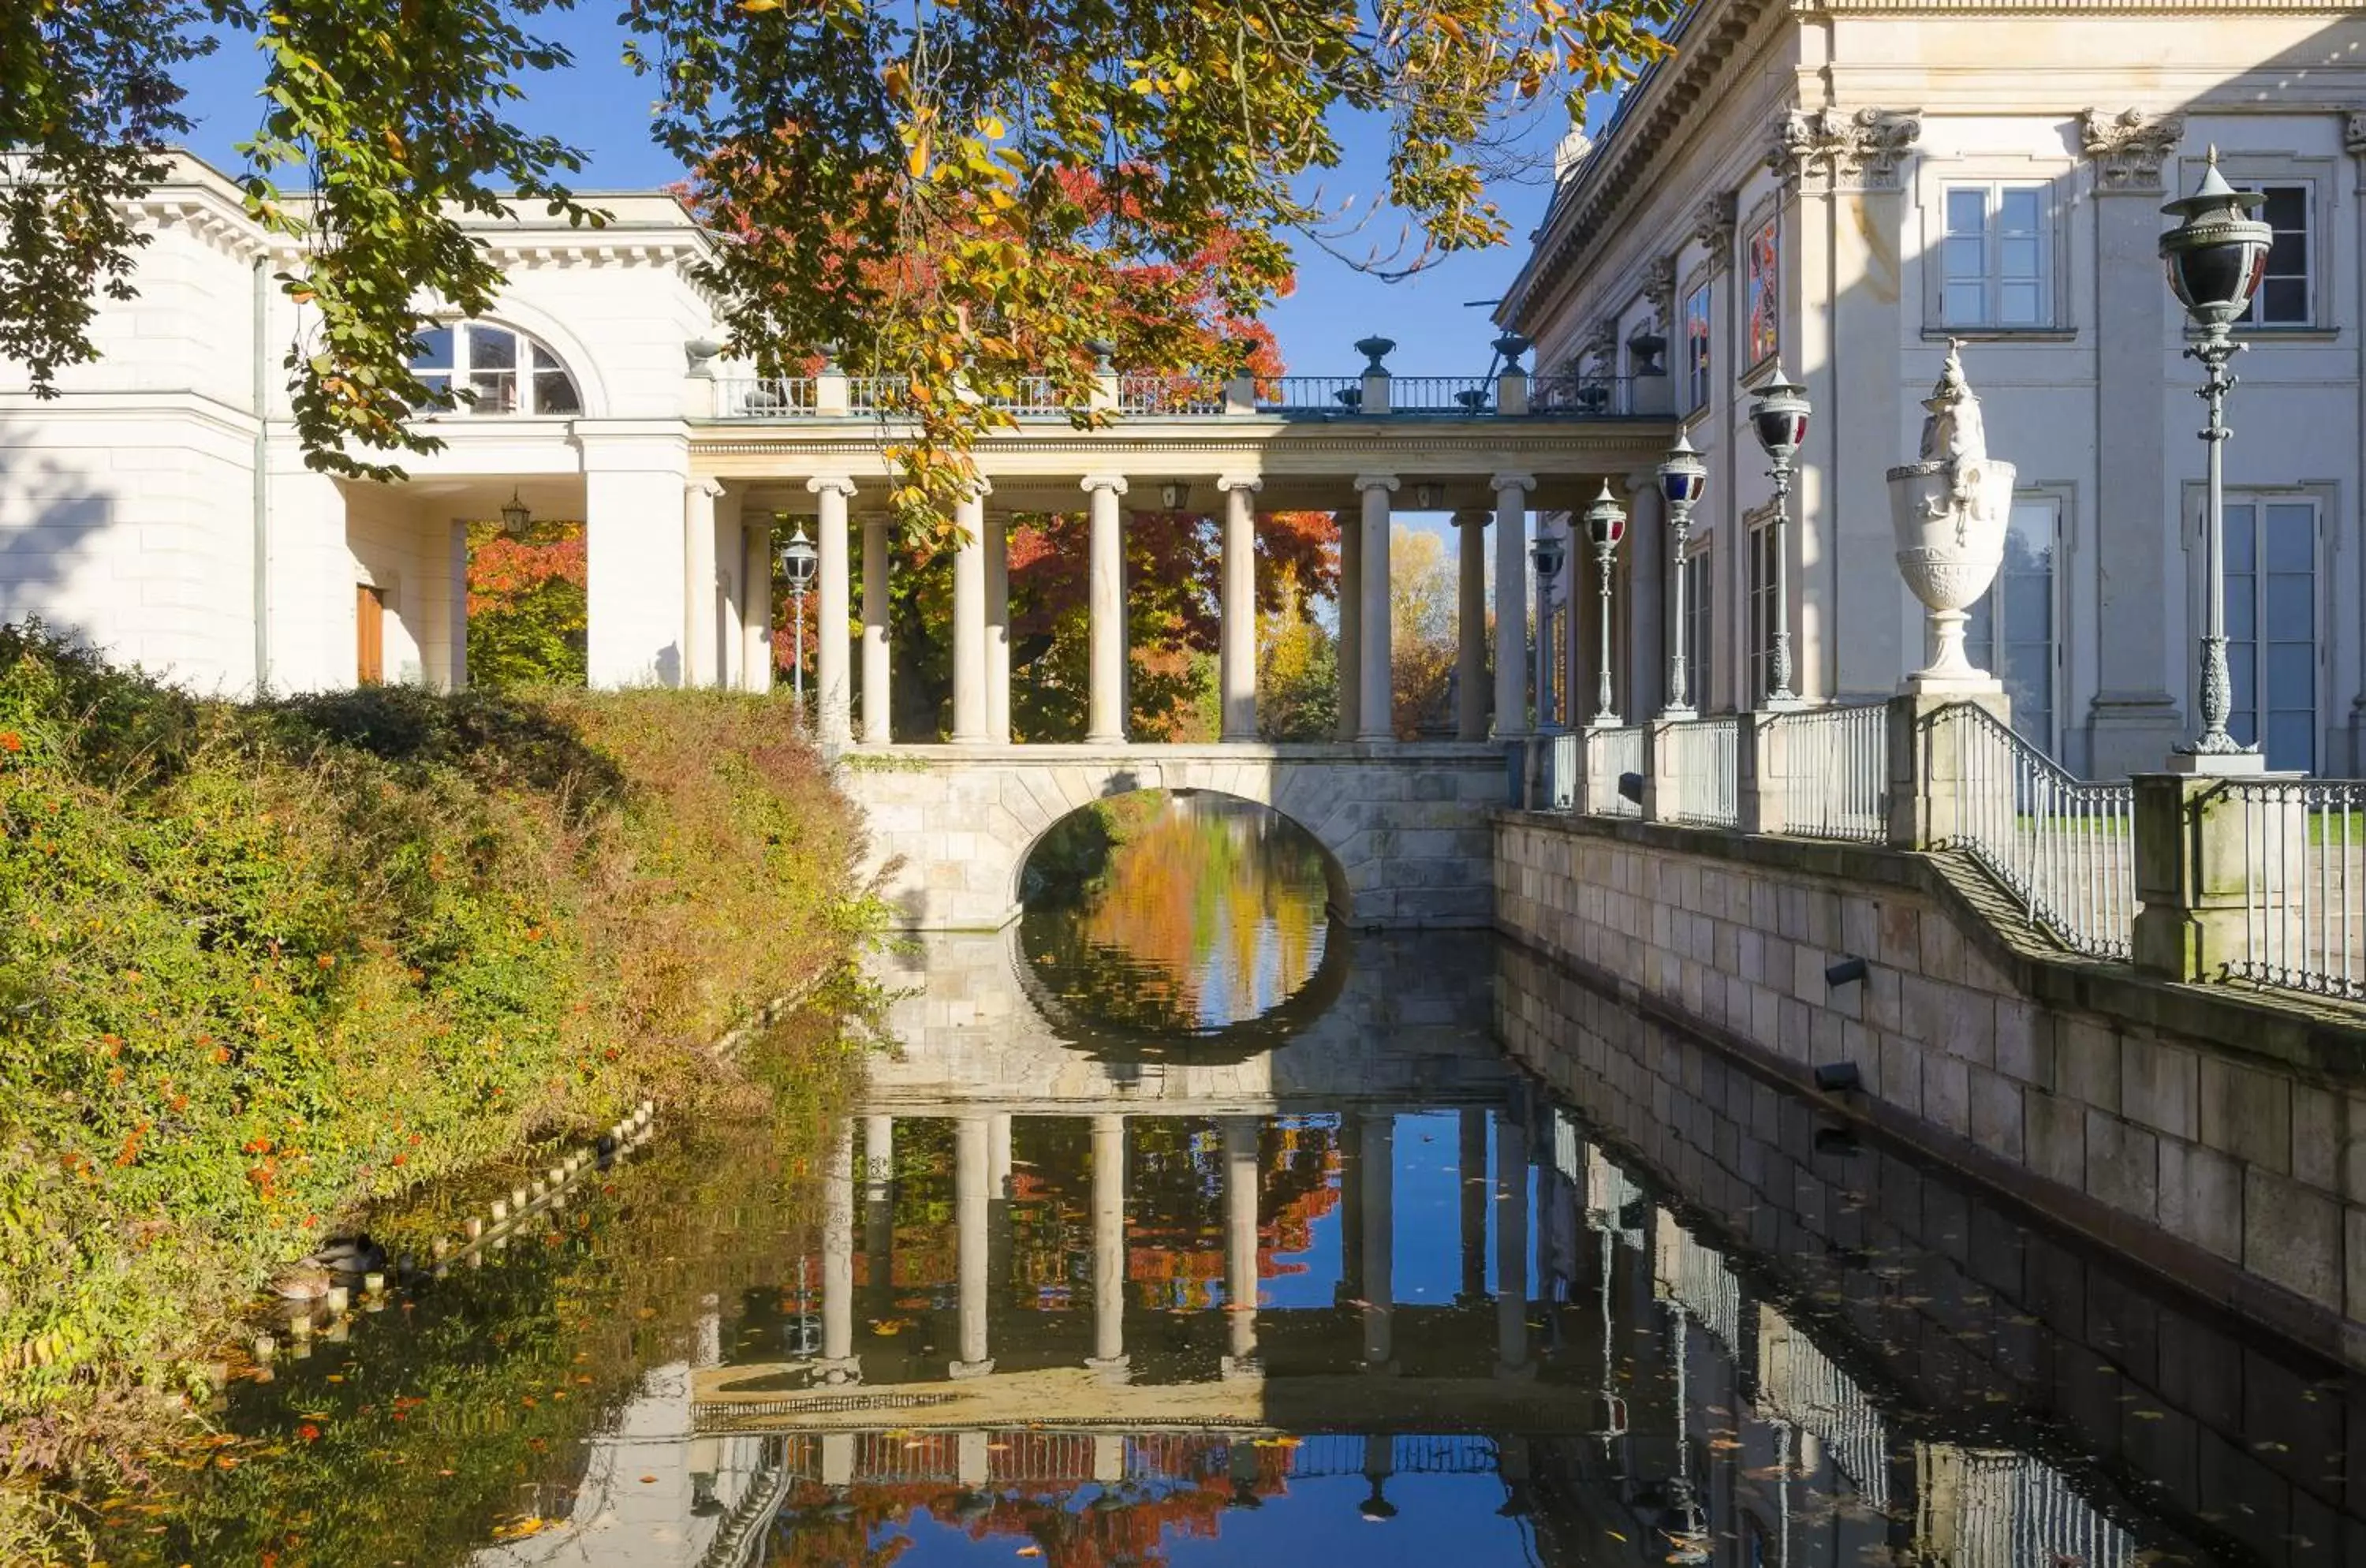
(1339, 895)
(952, 826)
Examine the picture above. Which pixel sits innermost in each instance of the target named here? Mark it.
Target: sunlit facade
(1841, 188)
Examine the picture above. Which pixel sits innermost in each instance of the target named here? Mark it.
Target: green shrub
(262, 964)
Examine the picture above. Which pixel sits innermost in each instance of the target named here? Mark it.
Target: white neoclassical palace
(1836, 188)
(161, 507)
(1839, 187)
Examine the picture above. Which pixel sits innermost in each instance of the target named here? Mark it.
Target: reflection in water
(1174, 914)
(1600, 1297)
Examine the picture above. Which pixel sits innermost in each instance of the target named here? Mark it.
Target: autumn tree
(526, 606)
(1421, 626)
(1004, 157)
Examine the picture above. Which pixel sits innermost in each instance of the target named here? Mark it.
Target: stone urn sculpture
(1950, 510)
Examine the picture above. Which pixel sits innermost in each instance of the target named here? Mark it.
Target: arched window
(508, 371)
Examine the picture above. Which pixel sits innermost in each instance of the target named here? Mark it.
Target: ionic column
(756, 606)
(972, 1195)
(997, 1154)
(1470, 628)
(456, 614)
(1241, 1242)
(1473, 1170)
(1378, 1176)
(830, 609)
(1350, 659)
(698, 581)
(1237, 647)
(875, 690)
(997, 628)
(969, 619)
(837, 1362)
(1105, 610)
(1376, 688)
(878, 1155)
(1512, 603)
(1108, 1248)
(879, 1209)
(1511, 1244)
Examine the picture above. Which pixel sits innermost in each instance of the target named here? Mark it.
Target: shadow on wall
(52, 523)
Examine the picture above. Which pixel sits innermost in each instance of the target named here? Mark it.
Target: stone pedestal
(1927, 772)
(2206, 873)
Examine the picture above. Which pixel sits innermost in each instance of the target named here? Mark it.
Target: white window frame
(2256, 320)
(1989, 654)
(535, 360)
(1700, 380)
(1758, 608)
(1934, 176)
(1700, 621)
(2253, 170)
(1993, 237)
(2325, 497)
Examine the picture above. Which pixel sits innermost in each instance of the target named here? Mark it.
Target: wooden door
(369, 630)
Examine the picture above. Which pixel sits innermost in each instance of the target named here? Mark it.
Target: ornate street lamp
(799, 563)
(1778, 415)
(1546, 554)
(1606, 525)
(1684, 479)
(2215, 257)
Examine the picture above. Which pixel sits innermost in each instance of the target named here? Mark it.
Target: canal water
(1180, 1227)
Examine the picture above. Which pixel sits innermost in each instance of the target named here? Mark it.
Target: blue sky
(601, 106)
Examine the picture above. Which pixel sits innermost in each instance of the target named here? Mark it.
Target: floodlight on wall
(1844, 971)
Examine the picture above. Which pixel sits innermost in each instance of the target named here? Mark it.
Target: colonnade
(982, 1169)
(981, 611)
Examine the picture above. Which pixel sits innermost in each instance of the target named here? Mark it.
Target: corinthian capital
(2129, 147)
(1844, 147)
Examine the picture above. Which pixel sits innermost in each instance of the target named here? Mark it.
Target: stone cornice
(1640, 139)
(2129, 148)
(1833, 148)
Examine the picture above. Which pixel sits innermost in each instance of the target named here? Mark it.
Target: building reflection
(1053, 1305)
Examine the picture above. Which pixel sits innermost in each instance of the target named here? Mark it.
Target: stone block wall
(1405, 826)
(1939, 1291)
(2207, 1133)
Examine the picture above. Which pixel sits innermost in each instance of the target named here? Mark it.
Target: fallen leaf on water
(1030, 1552)
(648, 1481)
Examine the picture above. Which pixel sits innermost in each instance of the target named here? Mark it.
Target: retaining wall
(2207, 1133)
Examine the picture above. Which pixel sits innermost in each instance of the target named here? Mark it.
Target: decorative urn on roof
(1950, 510)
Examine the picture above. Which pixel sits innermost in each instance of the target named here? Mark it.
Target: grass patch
(262, 965)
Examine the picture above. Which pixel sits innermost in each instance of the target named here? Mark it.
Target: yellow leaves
(756, 7)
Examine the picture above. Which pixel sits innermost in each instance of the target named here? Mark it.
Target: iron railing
(1586, 397)
(1610, 755)
(2304, 883)
(1835, 763)
(1701, 783)
(872, 394)
(2063, 847)
(764, 397)
(1153, 392)
(1309, 394)
(1441, 394)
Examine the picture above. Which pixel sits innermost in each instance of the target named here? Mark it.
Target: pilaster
(2134, 720)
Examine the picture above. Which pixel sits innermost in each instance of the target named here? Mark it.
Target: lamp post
(1606, 525)
(1546, 554)
(799, 562)
(2215, 257)
(1684, 479)
(1778, 414)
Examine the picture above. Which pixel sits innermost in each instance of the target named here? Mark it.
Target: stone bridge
(1404, 825)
